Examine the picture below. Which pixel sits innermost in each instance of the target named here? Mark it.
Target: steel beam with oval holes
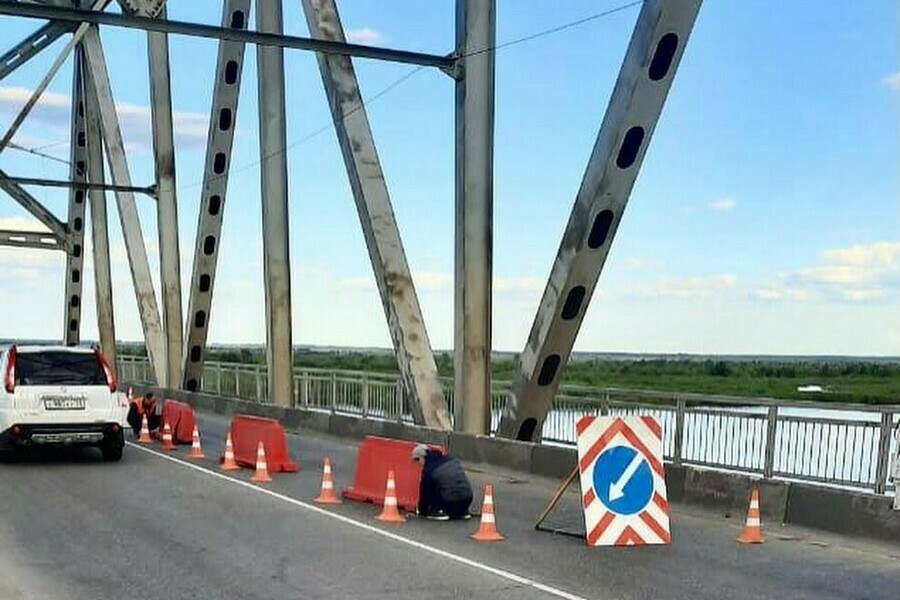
(656, 47)
(77, 203)
(220, 141)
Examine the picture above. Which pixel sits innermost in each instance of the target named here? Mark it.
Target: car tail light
(109, 374)
(9, 378)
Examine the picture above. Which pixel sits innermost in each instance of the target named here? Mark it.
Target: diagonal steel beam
(656, 47)
(128, 213)
(264, 38)
(32, 205)
(77, 204)
(220, 141)
(99, 5)
(99, 226)
(373, 203)
(29, 239)
(22, 52)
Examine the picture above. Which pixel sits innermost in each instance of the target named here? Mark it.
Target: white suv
(59, 395)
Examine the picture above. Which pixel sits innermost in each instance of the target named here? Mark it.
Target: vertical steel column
(75, 228)
(166, 205)
(475, 39)
(99, 224)
(376, 216)
(128, 214)
(656, 47)
(276, 238)
(215, 184)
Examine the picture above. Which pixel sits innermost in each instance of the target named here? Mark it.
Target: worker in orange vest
(140, 407)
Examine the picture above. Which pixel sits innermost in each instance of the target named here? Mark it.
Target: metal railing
(845, 445)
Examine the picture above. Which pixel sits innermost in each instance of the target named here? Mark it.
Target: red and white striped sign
(622, 481)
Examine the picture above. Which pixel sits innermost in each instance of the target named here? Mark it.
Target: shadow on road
(51, 455)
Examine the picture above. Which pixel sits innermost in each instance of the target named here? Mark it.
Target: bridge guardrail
(846, 445)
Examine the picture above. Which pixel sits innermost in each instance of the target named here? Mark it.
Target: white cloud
(879, 255)
(637, 264)
(858, 273)
(54, 109)
(432, 281)
(429, 281)
(782, 293)
(22, 224)
(22, 263)
(723, 205)
(694, 287)
(365, 35)
(854, 265)
(863, 295)
(519, 284)
(892, 81)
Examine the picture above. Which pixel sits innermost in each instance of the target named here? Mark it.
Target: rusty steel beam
(395, 285)
(141, 278)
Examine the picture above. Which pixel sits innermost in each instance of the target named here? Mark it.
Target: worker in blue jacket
(444, 491)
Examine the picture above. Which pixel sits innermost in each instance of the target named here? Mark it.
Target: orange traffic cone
(145, 432)
(196, 450)
(326, 496)
(390, 514)
(753, 530)
(487, 531)
(229, 464)
(167, 443)
(262, 470)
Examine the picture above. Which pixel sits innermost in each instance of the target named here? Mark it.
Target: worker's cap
(419, 451)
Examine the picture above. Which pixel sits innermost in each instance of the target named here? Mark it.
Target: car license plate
(63, 403)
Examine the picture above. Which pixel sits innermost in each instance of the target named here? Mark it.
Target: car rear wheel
(112, 451)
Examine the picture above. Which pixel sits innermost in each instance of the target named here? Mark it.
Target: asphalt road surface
(159, 526)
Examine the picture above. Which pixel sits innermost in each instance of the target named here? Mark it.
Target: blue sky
(766, 218)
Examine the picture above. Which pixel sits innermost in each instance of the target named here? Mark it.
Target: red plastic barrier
(181, 420)
(378, 455)
(247, 432)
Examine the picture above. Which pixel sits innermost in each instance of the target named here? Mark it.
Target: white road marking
(370, 528)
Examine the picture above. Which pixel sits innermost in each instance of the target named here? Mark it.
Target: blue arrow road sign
(623, 480)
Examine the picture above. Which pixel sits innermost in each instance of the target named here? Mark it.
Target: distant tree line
(841, 380)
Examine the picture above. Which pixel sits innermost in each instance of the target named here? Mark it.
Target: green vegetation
(860, 381)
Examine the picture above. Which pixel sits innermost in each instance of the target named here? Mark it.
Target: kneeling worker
(444, 492)
(140, 407)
